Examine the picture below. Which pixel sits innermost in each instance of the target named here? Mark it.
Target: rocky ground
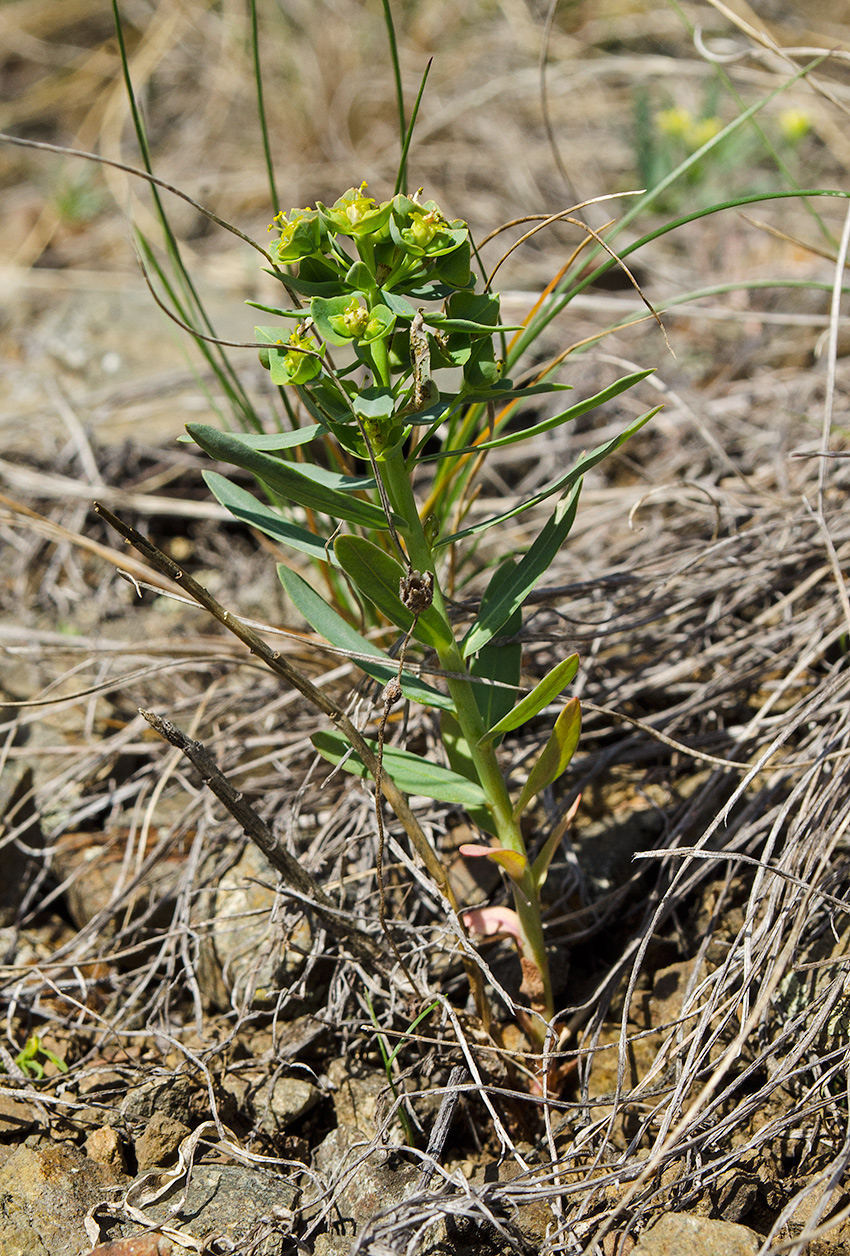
(192, 1059)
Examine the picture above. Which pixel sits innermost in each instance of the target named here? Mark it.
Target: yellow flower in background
(701, 131)
(674, 122)
(680, 124)
(795, 124)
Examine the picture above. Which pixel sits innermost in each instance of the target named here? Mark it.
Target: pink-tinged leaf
(540, 867)
(489, 921)
(512, 861)
(471, 850)
(554, 756)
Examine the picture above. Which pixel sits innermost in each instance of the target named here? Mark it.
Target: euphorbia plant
(388, 289)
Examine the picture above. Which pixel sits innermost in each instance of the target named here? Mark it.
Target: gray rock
(280, 1103)
(678, 1233)
(251, 952)
(243, 1206)
(362, 1184)
(169, 1096)
(45, 1193)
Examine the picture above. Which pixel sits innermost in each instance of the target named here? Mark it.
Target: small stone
(158, 1143)
(171, 1096)
(675, 1233)
(104, 1146)
(231, 1206)
(253, 949)
(279, 1104)
(16, 1115)
(143, 1245)
(45, 1194)
(372, 1186)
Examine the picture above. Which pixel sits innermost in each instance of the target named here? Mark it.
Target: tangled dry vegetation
(698, 912)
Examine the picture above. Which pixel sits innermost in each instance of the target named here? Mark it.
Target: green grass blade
(399, 90)
(407, 139)
(213, 354)
(218, 361)
(261, 107)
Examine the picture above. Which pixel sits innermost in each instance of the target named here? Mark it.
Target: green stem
(537, 982)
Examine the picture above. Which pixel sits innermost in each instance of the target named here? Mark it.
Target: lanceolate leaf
(411, 774)
(585, 462)
(512, 861)
(277, 441)
(533, 703)
(506, 593)
(469, 325)
(554, 756)
(285, 480)
(243, 505)
(574, 412)
(334, 629)
(376, 574)
(540, 867)
(499, 661)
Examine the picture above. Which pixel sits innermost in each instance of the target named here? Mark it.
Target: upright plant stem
(537, 984)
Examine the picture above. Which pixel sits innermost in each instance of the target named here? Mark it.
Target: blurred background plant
(668, 134)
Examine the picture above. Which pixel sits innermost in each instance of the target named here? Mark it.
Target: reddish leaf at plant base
(488, 921)
(512, 861)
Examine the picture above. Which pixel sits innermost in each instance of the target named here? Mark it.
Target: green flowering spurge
(392, 352)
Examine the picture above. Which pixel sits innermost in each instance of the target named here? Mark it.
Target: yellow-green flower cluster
(680, 124)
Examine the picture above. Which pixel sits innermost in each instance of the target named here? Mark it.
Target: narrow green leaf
(412, 774)
(377, 574)
(499, 661)
(275, 442)
(585, 462)
(336, 481)
(546, 854)
(285, 480)
(334, 629)
(540, 867)
(533, 703)
(506, 594)
(460, 760)
(574, 412)
(444, 323)
(554, 756)
(244, 506)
